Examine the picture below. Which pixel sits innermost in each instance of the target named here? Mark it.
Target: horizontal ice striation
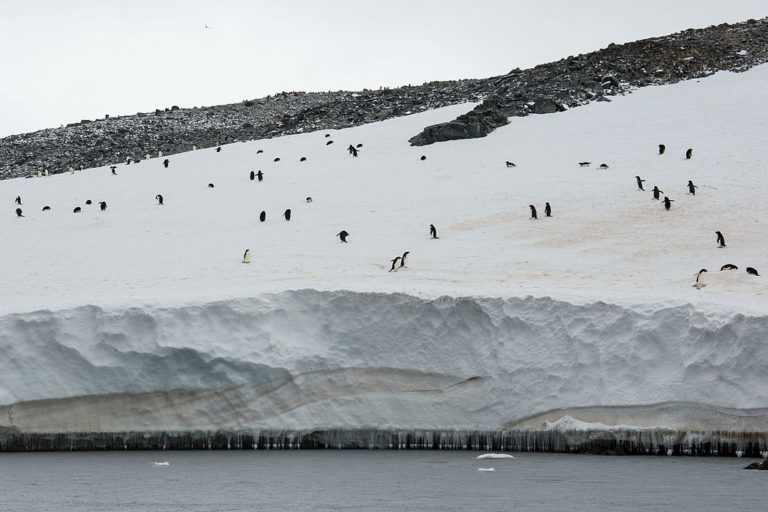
(308, 361)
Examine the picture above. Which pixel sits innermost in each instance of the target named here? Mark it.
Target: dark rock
(468, 126)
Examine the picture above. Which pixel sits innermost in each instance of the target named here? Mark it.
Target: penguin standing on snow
(159, 198)
(640, 182)
(662, 148)
(253, 175)
(700, 279)
(402, 259)
(547, 210)
(656, 191)
(352, 150)
(432, 232)
(114, 169)
(533, 212)
(18, 200)
(343, 235)
(166, 162)
(260, 175)
(218, 149)
(692, 188)
(394, 262)
(287, 214)
(103, 205)
(247, 256)
(668, 203)
(689, 153)
(263, 216)
(720, 239)
(18, 212)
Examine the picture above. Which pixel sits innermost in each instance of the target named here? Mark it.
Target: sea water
(373, 480)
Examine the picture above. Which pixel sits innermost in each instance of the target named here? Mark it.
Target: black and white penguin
(692, 188)
(547, 210)
(359, 146)
(510, 164)
(287, 214)
(700, 279)
(729, 266)
(309, 199)
(18, 212)
(533, 212)
(277, 159)
(402, 259)
(88, 202)
(433, 232)
(263, 216)
(166, 162)
(604, 166)
(210, 185)
(218, 149)
(76, 210)
(394, 262)
(662, 148)
(253, 175)
(46, 208)
(260, 151)
(688, 153)
(103, 205)
(423, 157)
(113, 168)
(584, 164)
(159, 198)
(720, 239)
(303, 159)
(656, 192)
(247, 256)
(327, 135)
(352, 150)
(343, 235)
(668, 203)
(260, 175)
(640, 182)
(329, 143)
(752, 271)
(17, 200)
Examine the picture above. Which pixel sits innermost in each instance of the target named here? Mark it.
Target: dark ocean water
(373, 481)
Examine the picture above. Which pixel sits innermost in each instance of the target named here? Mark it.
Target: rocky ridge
(546, 88)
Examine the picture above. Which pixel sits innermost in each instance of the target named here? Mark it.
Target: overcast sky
(67, 60)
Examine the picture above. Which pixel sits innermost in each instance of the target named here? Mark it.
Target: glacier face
(343, 360)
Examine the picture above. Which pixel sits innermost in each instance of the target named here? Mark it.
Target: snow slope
(142, 317)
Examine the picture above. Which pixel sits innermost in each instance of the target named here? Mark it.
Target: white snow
(495, 456)
(144, 317)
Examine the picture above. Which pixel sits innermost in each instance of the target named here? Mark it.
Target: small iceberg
(495, 456)
(486, 469)
(166, 463)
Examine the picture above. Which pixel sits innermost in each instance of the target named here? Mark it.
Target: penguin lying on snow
(18, 212)
(729, 266)
(752, 271)
(510, 164)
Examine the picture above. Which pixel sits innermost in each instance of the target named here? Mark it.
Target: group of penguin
(46, 208)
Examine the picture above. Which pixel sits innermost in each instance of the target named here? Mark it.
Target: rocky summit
(547, 88)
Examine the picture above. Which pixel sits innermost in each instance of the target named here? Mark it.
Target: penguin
(76, 210)
(159, 198)
(656, 191)
(327, 135)
(166, 162)
(720, 239)
(692, 188)
(260, 175)
(640, 182)
(113, 168)
(668, 203)
(247, 256)
(547, 210)
(253, 175)
(276, 159)
(210, 185)
(433, 232)
(194, 147)
(700, 279)
(352, 150)
(729, 266)
(46, 171)
(309, 199)
(662, 148)
(260, 151)
(604, 166)
(329, 143)
(423, 157)
(510, 164)
(159, 154)
(46, 208)
(394, 262)
(343, 235)
(359, 146)
(103, 205)
(689, 153)
(18, 212)
(128, 160)
(81, 167)
(287, 214)
(146, 157)
(402, 259)
(584, 164)
(71, 170)
(303, 159)
(218, 149)
(88, 202)
(18, 200)
(533, 212)
(752, 271)
(263, 216)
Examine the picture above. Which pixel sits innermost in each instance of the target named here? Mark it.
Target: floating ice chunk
(161, 464)
(486, 469)
(495, 456)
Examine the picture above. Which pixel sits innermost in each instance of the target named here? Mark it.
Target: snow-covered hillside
(143, 317)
